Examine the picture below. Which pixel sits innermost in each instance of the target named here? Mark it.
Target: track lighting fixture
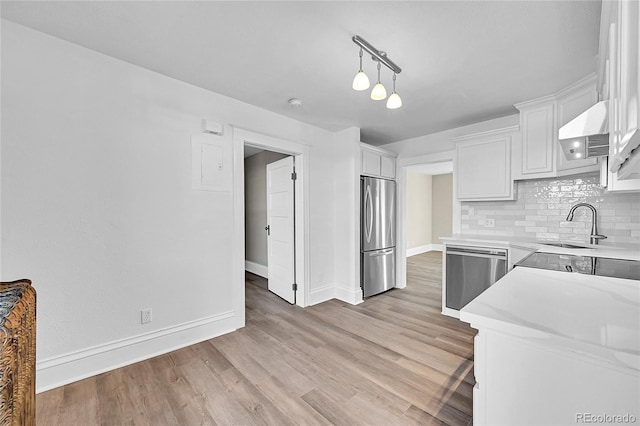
(361, 81)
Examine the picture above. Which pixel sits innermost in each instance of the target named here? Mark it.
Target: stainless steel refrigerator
(377, 235)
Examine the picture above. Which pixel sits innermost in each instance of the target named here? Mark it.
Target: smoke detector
(295, 103)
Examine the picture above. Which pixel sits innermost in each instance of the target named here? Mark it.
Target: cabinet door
(538, 141)
(612, 181)
(387, 167)
(370, 163)
(625, 124)
(483, 169)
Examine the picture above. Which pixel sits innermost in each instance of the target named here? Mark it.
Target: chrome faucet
(594, 237)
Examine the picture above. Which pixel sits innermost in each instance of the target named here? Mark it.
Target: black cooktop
(602, 266)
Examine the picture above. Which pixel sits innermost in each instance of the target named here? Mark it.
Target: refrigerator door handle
(368, 203)
(381, 253)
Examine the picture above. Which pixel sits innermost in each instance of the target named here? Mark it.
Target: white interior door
(280, 225)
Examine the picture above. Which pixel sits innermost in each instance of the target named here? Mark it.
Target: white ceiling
(462, 62)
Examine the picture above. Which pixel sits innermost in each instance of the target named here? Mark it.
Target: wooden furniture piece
(18, 353)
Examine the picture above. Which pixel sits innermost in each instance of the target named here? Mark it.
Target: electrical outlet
(145, 316)
(490, 223)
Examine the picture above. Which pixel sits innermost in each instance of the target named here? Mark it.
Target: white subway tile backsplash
(541, 208)
(634, 226)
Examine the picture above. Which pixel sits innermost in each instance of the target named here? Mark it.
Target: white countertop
(593, 315)
(629, 252)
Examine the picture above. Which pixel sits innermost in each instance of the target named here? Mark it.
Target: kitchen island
(556, 348)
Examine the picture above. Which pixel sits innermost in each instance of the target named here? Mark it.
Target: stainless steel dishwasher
(470, 271)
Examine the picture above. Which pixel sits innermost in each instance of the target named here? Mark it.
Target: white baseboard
(256, 268)
(321, 294)
(64, 369)
(349, 295)
(423, 249)
(329, 292)
(450, 312)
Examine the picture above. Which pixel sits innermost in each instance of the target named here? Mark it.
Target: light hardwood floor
(392, 360)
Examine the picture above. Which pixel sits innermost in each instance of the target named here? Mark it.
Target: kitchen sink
(565, 245)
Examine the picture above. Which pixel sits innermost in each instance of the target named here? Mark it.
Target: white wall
(419, 209)
(441, 141)
(99, 212)
(346, 211)
(442, 207)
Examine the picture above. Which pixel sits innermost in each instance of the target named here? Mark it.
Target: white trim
(68, 368)
(348, 295)
(346, 292)
(301, 153)
(322, 294)
(587, 82)
(336, 291)
(256, 268)
(490, 133)
(450, 312)
(423, 249)
(377, 149)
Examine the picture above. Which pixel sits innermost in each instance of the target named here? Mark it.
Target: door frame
(401, 166)
(300, 151)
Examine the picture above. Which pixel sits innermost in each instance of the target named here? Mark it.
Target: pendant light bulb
(360, 81)
(394, 100)
(379, 92)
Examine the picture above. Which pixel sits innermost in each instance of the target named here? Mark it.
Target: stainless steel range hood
(587, 135)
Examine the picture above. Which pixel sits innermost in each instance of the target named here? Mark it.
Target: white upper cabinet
(482, 167)
(619, 83)
(537, 150)
(370, 163)
(377, 162)
(539, 154)
(388, 166)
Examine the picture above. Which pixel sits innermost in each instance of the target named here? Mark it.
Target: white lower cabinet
(483, 165)
(530, 381)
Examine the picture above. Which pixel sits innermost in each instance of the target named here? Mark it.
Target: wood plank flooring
(392, 360)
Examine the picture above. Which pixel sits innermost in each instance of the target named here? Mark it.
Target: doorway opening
(429, 206)
(427, 209)
(270, 217)
(269, 213)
